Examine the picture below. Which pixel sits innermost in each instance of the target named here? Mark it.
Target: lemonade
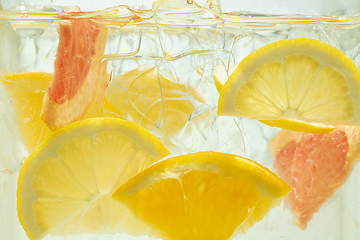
(163, 120)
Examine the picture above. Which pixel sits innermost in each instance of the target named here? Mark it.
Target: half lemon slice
(27, 91)
(64, 186)
(299, 79)
(204, 195)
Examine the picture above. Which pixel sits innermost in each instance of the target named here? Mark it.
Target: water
(182, 49)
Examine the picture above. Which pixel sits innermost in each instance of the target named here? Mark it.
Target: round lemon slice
(64, 186)
(204, 195)
(300, 79)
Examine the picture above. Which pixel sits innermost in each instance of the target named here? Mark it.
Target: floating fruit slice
(315, 166)
(221, 75)
(298, 79)
(150, 99)
(205, 195)
(27, 92)
(64, 186)
(79, 73)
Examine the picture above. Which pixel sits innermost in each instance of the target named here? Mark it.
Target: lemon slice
(27, 92)
(298, 79)
(221, 75)
(205, 195)
(64, 186)
(148, 98)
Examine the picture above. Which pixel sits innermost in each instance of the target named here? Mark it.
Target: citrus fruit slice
(204, 195)
(27, 91)
(298, 79)
(315, 166)
(148, 98)
(77, 76)
(64, 186)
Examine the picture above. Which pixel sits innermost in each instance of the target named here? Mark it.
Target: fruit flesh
(27, 91)
(300, 79)
(298, 93)
(152, 100)
(205, 195)
(78, 77)
(221, 76)
(315, 166)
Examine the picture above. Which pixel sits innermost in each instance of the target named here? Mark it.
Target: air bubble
(30, 29)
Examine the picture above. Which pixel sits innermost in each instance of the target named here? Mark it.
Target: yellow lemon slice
(221, 75)
(64, 186)
(150, 99)
(27, 91)
(300, 79)
(205, 195)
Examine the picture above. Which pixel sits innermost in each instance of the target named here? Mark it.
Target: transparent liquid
(183, 48)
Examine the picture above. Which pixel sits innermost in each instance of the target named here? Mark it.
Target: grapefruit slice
(315, 166)
(76, 80)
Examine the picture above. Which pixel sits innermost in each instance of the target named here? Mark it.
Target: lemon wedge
(204, 195)
(298, 79)
(148, 98)
(27, 91)
(64, 186)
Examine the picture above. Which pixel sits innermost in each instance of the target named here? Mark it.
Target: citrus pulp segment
(152, 100)
(27, 91)
(79, 71)
(64, 186)
(315, 166)
(204, 195)
(299, 79)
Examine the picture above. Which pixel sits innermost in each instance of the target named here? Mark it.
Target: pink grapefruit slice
(77, 74)
(315, 166)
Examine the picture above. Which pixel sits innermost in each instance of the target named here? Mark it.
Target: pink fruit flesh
(76, 80)
(73, 58)
(315, 166)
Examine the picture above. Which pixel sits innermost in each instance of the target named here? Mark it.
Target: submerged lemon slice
(27, 92)
(64, 186)
(298, 79)
(221, 75)
(145, 96)
(205, 195)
